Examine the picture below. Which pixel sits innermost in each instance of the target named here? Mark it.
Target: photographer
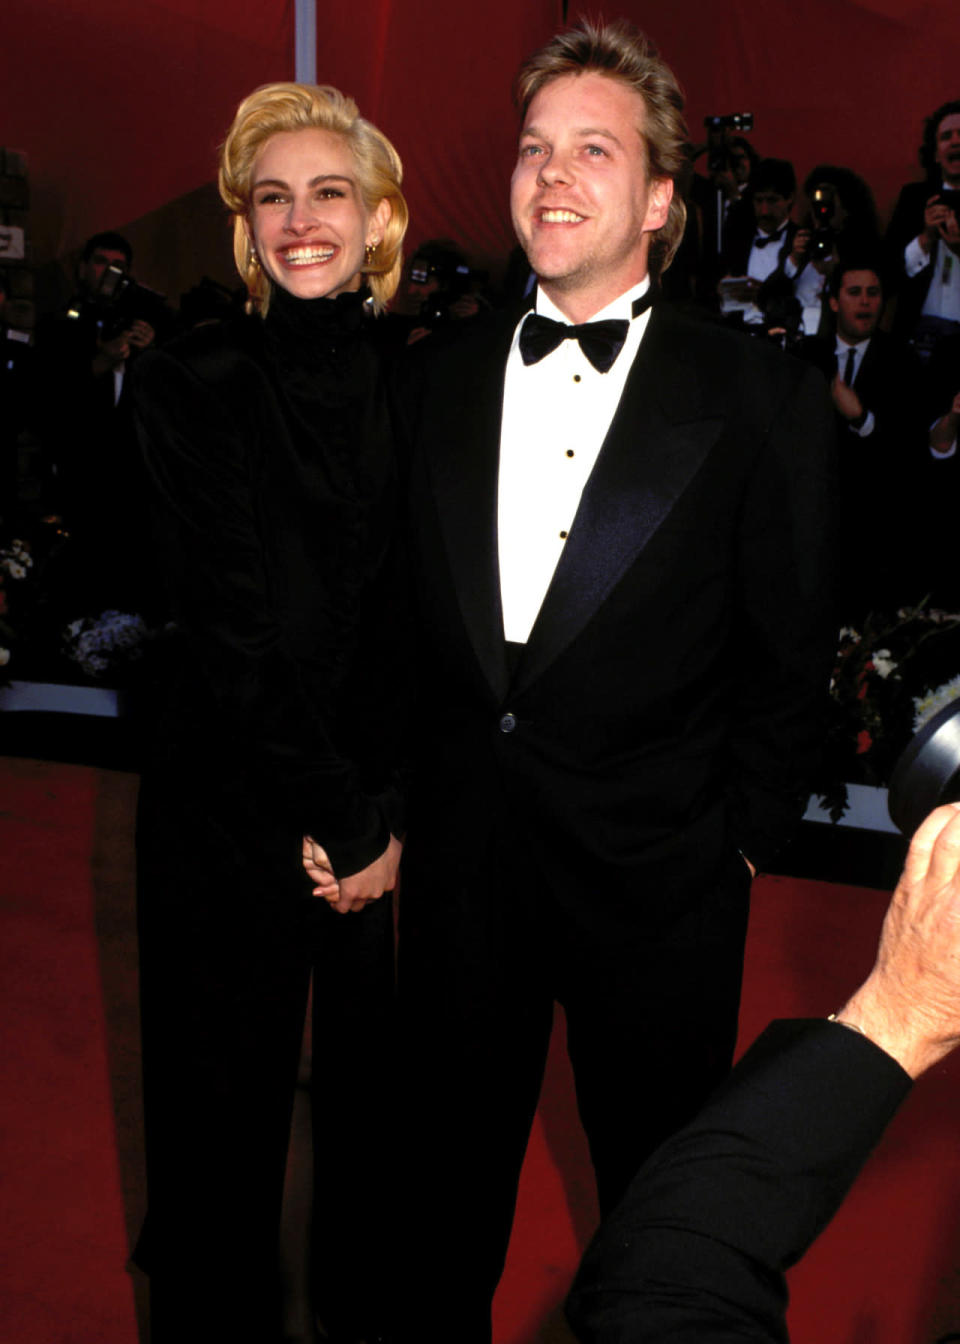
(761, 260)
(439, 288)
(721, 199)
(92, 461)
(840, 220)
(924, 237)
(109, 318)
(118, 328)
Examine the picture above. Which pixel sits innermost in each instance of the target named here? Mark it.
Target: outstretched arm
(697, 1249)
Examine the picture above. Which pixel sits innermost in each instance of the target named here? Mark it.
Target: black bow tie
(762, 239)
(601, 342)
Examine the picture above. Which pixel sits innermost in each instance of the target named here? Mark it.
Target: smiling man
(621, 552)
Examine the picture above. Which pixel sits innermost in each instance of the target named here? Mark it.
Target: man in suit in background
(696, 1251)
(621, 551)
(874, 385)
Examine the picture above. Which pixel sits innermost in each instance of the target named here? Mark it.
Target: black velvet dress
(269, 452)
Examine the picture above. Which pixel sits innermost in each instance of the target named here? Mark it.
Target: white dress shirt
(556, 414)
(810, 287)
(762, 261)
(761, 264)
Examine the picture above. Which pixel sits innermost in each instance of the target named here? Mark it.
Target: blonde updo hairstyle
(295, 107)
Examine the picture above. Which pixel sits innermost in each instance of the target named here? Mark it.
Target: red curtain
(437, 79)
(120, 106)
(847, 82)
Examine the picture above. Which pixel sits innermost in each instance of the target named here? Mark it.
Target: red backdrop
(120, 106)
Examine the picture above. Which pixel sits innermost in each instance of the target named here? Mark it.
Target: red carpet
(886, 1272)
(63, 1235)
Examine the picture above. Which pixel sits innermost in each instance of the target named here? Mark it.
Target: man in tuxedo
(763, 240)
(695, 1252)
(767, 248)
(620, 542)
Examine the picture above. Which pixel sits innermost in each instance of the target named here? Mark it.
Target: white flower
(4, 657)
(926, 706)
(14, 568)
(883, 664)
(848, 632)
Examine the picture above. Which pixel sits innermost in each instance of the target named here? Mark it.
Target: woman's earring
(370, 251)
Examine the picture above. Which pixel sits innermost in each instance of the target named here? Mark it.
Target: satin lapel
(657, 441)
(463, 469)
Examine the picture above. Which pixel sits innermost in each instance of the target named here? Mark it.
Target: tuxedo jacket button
(507, 723)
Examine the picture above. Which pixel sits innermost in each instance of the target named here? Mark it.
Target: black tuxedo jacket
(695, 1252)
(941, 382)
(665, 708)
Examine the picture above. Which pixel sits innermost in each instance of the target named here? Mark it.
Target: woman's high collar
(313, 320)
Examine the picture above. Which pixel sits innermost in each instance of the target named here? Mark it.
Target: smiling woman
(292, 152)
(270, 811)
(311, 230)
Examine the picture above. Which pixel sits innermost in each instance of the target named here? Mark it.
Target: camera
(452, 277)
(117, 304)
(823, 202)
(717, 129)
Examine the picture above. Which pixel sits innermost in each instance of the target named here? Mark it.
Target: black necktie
(762, 239)
(848, 370)
(601, 342)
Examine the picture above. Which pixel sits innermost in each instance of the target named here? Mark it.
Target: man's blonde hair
(622, 52)
(296, 107)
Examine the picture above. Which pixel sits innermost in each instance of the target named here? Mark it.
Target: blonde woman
(268, 445)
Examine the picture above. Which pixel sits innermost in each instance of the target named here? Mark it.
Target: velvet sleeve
(697, 1248)
(204, 453)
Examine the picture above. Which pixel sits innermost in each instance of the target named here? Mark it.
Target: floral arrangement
(105, 643)
(16, 564)
(880, 695)
(927, 706)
